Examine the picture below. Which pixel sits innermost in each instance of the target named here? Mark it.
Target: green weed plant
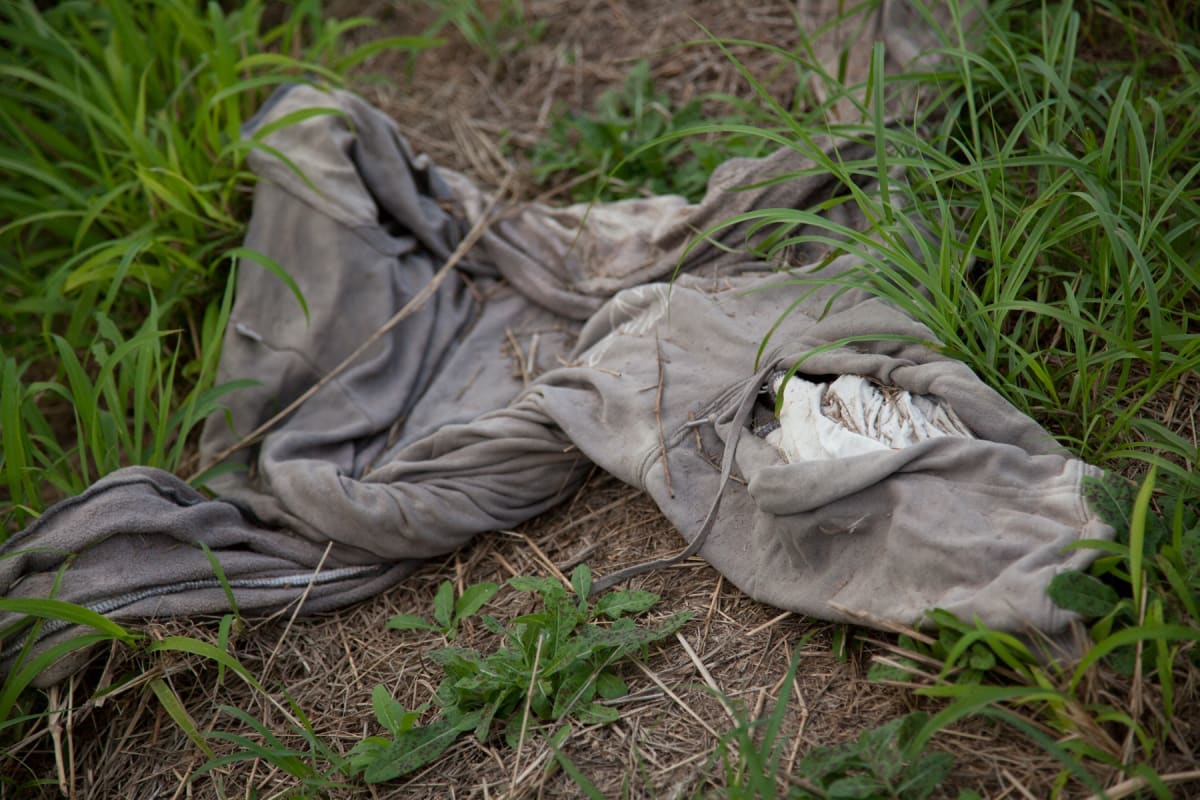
(448, 612)
(638, 142)
(554, 665)
(498, 33)
(885, 762)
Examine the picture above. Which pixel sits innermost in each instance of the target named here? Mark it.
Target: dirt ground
(458, 107)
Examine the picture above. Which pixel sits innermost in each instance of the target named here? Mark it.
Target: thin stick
(537, 657)
(56, 729)
(545, 559)
(410, 308)
(1133, 785)
(768, 624)
(712, 608)
(295, 612)
(677, 699)
(662, 439)
(707, 676)
(591, 515)
(799, 695)
(518, 355)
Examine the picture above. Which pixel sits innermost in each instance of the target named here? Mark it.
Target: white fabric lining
(852, 416)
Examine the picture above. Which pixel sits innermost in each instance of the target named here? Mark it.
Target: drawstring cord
(741, 416)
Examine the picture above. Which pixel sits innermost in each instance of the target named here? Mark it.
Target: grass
(1047, 231)
(497, 32)
(554, 667)
(124, 203)
(638, 142)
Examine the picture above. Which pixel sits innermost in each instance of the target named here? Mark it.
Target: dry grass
(662, 747)
(459, 108)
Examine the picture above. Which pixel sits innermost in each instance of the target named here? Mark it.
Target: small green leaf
(981, 659)
(474, 598)
(903, 670)
(610, 686)
(597, 714)
(576, 689)
(417, 747)
(1085, 595)
(391, 714)
(546, 587)
(925, 775)
(1111, 498)
(443, 605)
(856, 787)
(409, 622)
(626, 601)
(581, 581)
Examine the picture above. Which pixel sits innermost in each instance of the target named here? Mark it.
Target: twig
(591, 515)
(299, 604)
(767, 624)
(537, 657)
(410, 308)
(712, 608)
(1134, 785)
(707, 676)
(545, 559)
(518, 355)
(690, 712)
(799, 695)
(54, 723)
(662, 439)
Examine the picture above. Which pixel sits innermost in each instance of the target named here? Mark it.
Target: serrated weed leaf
(598, 714)
(883, 762)
(417, 747)
(626, 601)
(547, 587)
(410, 622)
(443, 605)
(1111, 498)
(556, 658)
(581, 582)
(626, 638)
(610, 686)
(903, 670)
(474, 598)
(390, 714)
(925, 775)
(1084, 594)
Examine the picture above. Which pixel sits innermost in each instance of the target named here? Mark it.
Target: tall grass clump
(124, 195)
(123, 201)
(1041, 215)
(1047, 228)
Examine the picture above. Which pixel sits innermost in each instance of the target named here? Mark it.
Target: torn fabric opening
(852, 416)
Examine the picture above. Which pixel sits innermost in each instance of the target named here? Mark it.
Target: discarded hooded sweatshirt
(558, 343)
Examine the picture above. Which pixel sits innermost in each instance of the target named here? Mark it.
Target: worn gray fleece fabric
(538, 357)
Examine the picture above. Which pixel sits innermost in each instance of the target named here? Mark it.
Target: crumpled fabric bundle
(558, 343)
